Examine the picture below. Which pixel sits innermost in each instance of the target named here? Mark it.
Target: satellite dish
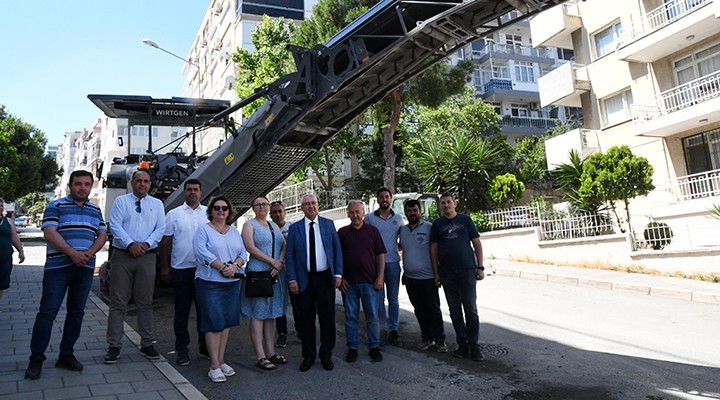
(230, 82)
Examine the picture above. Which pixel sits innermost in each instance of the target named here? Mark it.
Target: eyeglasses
(137, 206)
(221, 208)
(261, 205)
(309, 203)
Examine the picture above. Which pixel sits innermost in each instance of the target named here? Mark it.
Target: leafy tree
(505, 189)
(617, 175)
(35, 203)
(24, 166)
(568, 178)
(531, 160)
(267, 62)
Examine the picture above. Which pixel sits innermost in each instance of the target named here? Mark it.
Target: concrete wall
(610, 250)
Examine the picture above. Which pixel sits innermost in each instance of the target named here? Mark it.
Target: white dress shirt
(181, 223)
(320, 256)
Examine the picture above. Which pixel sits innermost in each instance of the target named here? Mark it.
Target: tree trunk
(389, 141)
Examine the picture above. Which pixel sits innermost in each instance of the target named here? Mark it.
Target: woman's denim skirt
(219, 304)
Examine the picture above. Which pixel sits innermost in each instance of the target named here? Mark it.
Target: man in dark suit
(314, 269)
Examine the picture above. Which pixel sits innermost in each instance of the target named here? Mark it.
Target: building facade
(646, 74)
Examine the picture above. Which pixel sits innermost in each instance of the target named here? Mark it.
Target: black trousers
(423, 294)
(318, 298)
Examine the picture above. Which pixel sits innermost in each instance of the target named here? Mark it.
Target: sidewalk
(133, 377)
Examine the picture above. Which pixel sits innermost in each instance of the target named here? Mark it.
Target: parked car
(22, 221)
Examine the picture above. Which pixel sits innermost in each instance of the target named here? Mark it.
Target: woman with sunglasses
(266, 245)
(220, 255)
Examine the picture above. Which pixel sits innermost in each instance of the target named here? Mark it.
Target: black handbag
(260, 283)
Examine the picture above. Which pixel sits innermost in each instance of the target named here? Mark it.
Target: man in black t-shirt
(456, 257)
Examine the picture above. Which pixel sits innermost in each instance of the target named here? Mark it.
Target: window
(698, 64)
(519, 110)
(616, 109)
(524, 71)
(565, 54)
(606, 39)
(513, 40)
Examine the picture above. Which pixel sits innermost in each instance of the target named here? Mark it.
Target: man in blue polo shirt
(74, 230)
(363, 270)
(388, 223)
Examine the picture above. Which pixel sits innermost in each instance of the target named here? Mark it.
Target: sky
(55, 53)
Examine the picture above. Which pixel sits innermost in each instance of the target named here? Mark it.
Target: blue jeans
(366, 293)
(76, 281)
(392, 286)
(459, 287)
(183, 281)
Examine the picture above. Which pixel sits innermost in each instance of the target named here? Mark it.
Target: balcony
(564, 85)
(555, 26)
(527, 124)
(691, 187)
(541, 55)
(584, 141)
(668, 29)
(493, 84)
(680, 108)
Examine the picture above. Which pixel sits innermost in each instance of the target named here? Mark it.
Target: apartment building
(507, 71)
(646, 73)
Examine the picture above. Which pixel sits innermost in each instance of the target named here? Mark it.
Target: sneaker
(33, 370)
(375, 355)
(70, 363)
(461, 351)
(112, 355)
(150, 353)
(476, 355)
(425, 344)
(351, 355)
(441, 347)
(393, 337)
(183, 358)
(281, 341)
(204, 354)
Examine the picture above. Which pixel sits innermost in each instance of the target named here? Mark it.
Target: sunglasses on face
(137, 206)
(221, 208)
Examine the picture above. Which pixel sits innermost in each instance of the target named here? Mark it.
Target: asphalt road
(541, 341)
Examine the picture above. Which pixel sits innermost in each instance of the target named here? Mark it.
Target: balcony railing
(527, 122)
(514, 49)
(678, 98)
(498, 84)
(695, 186)
(664, 15)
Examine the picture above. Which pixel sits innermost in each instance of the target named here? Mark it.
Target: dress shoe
(70, 363)
(150, 353)
(307, 363)
(327, 364)
(375, 355)
(351, 355)
(33, 370)
(112, 355)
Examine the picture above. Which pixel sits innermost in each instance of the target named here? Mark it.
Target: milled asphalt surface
(135, 377)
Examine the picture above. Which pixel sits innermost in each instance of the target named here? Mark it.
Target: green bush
(481, 221)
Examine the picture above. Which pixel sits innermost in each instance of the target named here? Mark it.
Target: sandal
(277, 359)
(227, 370)
(216, 375)
(265, 364)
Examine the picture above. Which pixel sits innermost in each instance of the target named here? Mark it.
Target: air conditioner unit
(534, 106)
(217, 44)
(203, 43)
(217, 9)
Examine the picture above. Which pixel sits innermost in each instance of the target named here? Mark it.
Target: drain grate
(494, 351)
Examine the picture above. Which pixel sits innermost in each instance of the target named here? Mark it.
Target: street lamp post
(152, 43)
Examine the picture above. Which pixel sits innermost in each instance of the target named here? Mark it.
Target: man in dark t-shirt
(456, 257)
(363, 276)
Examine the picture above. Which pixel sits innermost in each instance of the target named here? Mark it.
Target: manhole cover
(494, 350)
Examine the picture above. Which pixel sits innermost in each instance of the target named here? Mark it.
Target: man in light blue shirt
(388, 223)
(137, 222)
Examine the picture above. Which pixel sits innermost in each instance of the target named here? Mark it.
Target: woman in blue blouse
(219, 254)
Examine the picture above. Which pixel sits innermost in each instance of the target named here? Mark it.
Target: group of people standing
(206, 258)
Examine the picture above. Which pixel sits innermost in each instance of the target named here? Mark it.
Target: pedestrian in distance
(363, 276)
(137, 223)
(419, 279)
(277, 214)
(457, 261)
(388, 223)
(266, 245)
(8, 239)
(219, 255)
(75, 231)
(315, 268)
(177, 256)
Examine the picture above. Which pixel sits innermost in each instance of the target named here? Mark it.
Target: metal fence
(578, 225)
